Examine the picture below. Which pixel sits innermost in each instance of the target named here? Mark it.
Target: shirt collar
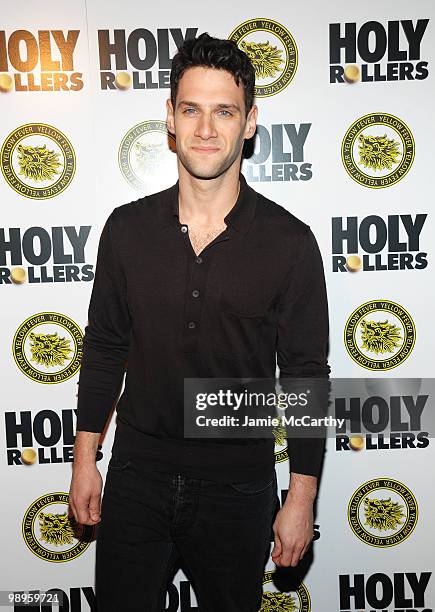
(241, 214)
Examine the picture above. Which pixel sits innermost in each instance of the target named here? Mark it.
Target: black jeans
(219, 534)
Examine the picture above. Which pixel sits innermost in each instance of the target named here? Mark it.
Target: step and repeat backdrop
(345, 142)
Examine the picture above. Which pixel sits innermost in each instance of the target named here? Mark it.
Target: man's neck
(206, 202)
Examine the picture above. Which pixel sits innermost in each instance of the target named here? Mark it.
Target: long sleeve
(302, 347)
(107, 337)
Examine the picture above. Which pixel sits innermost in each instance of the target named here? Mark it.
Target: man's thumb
(94, 506)
(277, 549)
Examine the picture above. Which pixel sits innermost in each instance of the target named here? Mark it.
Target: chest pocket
(246, 297)
(242, 317)
(237, 335)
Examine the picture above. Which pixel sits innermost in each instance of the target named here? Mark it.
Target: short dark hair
(214, 53)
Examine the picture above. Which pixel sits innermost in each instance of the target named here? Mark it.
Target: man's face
(209, 121)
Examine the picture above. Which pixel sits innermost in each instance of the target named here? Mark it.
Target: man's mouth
(206, 150)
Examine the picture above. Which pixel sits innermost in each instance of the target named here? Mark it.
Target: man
(206, 279)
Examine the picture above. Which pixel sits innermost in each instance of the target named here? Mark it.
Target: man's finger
(82, 512)
(72, 509)
(294, 554)
(277, 549)
(284, 555)
(305, 548)
(287, 555)
(94, 507)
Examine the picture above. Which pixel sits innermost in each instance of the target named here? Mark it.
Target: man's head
(210, 52)
(211, 110)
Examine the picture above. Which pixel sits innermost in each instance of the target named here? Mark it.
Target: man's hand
(86, 482)
(293, 526)
(85, 494)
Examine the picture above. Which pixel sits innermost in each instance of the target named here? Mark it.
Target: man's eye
(189, 111)
(225, 113)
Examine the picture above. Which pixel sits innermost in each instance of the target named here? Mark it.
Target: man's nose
(205, 127)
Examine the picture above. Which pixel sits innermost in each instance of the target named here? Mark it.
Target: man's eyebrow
(229, 105)
(220, 105)
(188, 103)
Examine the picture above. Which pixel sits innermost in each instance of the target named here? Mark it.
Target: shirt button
(199, 260)
(184, 228)
(195, 293)
(191, 325)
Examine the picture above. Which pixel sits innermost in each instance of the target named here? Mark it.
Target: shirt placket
(195, 291)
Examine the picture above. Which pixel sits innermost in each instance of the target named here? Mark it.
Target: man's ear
(170, 121)
(251, 122)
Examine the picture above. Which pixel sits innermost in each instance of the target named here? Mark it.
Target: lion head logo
(383, 514)
(378, 152)
(380, 337)
(147, 154)
(265, 58)
(49, 350)
(38, 163)
(56, 529)
(277, 602)
(280, 434)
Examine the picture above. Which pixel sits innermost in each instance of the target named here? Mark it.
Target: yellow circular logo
(378, 150)
(50, 534)
(292, 601)
(38, 161)
(272, 51)
(48, 347)
(379, 335)
(382, 512)
(281, 447)
(146, 157)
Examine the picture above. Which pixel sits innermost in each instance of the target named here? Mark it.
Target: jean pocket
(252, 487)
(118, 464)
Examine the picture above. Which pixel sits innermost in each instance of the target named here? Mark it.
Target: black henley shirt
(254, 297)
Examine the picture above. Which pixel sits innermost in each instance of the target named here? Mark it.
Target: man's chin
(205, 173)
